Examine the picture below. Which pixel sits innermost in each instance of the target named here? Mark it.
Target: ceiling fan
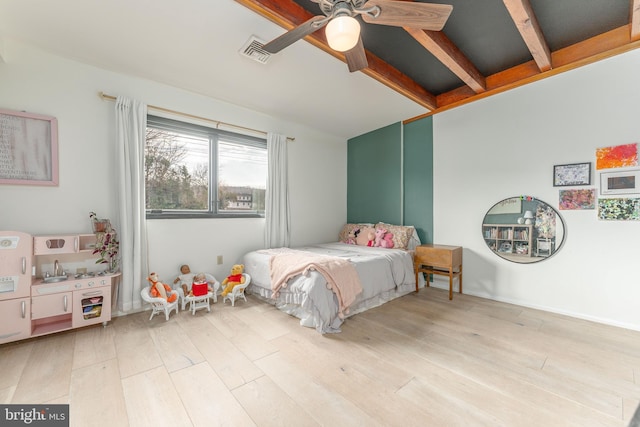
(343, 30)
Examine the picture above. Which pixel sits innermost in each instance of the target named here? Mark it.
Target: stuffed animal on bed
(371, 238)
(353, 236)
(234, 279)
(159, 289)
(366, 236)
(384, 239)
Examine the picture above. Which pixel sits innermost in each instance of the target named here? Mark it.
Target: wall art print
(624, 181)
(573, 174)
(577, 199)
(618, 156)
(28, 148)
(627, 209)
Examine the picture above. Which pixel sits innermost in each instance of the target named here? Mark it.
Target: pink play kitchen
(50, 284)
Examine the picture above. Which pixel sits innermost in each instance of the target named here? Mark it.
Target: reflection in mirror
(523, 229)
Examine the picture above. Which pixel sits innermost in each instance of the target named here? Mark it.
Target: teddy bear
(159, 289)
(234, 279)
(383, 239)
(365, 236)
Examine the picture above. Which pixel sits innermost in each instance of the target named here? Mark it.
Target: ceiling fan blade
(299, 32)
(356, 57)
(427, 16)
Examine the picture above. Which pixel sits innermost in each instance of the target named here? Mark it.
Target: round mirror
(523, 229)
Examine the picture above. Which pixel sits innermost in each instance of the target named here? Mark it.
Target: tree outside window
(194, 171)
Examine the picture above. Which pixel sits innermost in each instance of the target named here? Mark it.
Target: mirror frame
(516, 232)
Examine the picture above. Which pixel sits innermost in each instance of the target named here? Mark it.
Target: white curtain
(131, 124)
(277, 228)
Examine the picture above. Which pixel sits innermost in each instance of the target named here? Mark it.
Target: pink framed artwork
(28, 148)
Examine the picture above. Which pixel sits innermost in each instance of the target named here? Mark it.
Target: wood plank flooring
(420, 360)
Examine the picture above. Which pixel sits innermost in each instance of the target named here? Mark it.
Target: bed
(384, 274)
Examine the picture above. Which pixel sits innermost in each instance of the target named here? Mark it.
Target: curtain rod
(191, 116)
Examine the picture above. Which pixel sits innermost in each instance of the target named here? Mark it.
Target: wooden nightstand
(439, 259)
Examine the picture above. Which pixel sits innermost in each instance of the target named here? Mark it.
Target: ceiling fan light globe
(343, 33)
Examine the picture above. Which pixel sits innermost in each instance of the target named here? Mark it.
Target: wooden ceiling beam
(634, 19)
(451, 57)
(597, 48)
(289, 14)
(527, 24)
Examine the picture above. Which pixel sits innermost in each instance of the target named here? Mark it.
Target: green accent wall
(391, 180)
(374, 176)
(418, 177)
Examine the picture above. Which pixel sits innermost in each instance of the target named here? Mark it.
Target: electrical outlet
(219, 259)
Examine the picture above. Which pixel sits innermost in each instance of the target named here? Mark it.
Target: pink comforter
(339, 273)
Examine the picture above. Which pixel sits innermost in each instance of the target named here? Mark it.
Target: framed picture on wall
(577, 199)
(619, 209)
(620, 182)
(572, 174)
(28, 148)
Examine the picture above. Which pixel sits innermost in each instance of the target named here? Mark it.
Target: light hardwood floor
(420, 360)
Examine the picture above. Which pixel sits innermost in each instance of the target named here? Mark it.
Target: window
(193, 171)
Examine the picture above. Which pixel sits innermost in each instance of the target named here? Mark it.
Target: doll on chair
(185, 278)
(200, 286)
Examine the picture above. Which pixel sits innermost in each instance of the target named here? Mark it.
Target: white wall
(506, 145)
(39, 82)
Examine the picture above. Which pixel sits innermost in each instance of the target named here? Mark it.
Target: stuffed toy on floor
(234, 279)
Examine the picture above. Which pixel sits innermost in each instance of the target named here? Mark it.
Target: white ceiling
(194, 44)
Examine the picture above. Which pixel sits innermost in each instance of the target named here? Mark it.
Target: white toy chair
(543, 247)
(215, 285)
(238, 291)
(159, 305)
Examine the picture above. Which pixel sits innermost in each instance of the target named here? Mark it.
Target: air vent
(253, 49)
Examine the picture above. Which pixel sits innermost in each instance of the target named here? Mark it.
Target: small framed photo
(572, 174)
(620, 182)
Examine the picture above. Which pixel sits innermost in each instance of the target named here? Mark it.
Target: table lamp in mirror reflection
(528, 217)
